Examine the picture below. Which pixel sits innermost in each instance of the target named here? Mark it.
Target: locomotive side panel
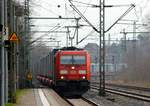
(88, 66)
(67, 70)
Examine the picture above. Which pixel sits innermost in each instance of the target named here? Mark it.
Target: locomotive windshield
(72, 59)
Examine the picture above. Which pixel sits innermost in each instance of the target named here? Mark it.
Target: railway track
(80, 102)
(125, 93)
(54, 98)
(125, 86)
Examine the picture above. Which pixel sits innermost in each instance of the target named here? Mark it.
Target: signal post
(13, 40)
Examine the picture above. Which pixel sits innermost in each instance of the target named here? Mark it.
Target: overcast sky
(56, 8)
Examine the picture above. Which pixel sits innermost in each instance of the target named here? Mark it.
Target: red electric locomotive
(70, 70)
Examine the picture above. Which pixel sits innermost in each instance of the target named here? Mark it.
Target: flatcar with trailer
(67, 70)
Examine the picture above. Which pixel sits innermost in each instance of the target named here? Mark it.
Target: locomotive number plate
(73, 72)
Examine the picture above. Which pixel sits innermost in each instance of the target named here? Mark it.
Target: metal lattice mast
(102, 48)
(23, 48)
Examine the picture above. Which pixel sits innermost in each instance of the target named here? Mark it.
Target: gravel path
(114, 100)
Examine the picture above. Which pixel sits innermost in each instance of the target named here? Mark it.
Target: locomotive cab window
(78, 59)
(72, 59)
(66, 59)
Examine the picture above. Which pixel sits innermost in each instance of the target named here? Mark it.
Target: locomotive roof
(67, 49)
(70, 48)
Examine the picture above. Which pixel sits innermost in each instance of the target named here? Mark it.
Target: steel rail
(126, 86)
(71, 104)
(130, 87)
(90, 101)
(125, 93)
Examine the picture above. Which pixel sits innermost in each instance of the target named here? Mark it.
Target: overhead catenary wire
(124, 14)
(86, 36)
(52, 29)
(132, 6)
(49, 10)
(82, 3)
(87, 7)
(95, 5)
(73, 6)
(135, 12)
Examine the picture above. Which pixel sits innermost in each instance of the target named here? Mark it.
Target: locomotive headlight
(72, 67)
(62, 77)
(82, 71)
(83, 77)
(63, 72)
